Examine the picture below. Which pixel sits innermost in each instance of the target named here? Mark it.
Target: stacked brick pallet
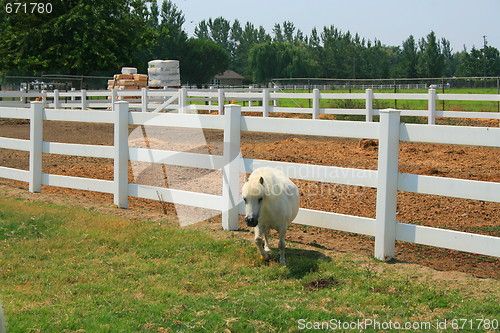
(128, 80)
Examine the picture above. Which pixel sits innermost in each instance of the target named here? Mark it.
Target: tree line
(330, 53)
(100, 36)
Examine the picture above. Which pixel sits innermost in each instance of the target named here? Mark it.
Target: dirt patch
(367, 143)
(321, 283)
(464, 162)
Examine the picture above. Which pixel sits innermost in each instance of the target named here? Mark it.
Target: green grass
(472, 106)
(477, 106)
(69, 269)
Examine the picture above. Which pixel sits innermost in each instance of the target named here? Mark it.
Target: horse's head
(253, 194)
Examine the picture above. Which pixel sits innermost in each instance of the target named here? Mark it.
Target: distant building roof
(229, 74)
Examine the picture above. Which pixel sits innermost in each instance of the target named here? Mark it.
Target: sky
(462, 22)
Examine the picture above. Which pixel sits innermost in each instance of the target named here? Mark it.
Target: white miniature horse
(271, 202)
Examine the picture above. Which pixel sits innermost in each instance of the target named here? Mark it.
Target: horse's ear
(245, 179)
(261, 181)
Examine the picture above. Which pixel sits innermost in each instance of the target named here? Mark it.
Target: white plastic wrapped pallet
(163, 83)
(163, 70)
(129, 70)
(164, 77)
(164, 73)
(163, 64)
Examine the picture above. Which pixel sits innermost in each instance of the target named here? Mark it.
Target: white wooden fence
(388, 181)
(264, 101)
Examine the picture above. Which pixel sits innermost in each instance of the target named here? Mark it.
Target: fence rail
(386, 179)
(263, 101)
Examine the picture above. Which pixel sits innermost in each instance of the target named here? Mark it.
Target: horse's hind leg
(260, 244)
(281, 246)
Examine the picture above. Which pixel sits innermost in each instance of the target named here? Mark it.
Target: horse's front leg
(266, 241)
(259, 231)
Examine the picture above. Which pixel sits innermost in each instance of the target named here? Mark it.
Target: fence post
(22, 99)
(72, 98)
(266, 96)
(432, 106)
(369, 105)
(57, 103)
(231, 170)
(84, 99)
(387, 185)
(182, 100)
(210, 98)
(275, 100)
(114, 97)
(221, 101)
(144, 99)
(250, 102)
(121, 154)
(36, 144)
(316, 99)
(44, 98)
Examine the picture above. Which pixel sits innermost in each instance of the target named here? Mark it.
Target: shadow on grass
(302, 262)
(299, 262)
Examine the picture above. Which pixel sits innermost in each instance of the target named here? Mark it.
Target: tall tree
(374, 60)
(234, 38)
(154, 15)
(491, 62)
(172, 37)
(409, 58)
(279, 60)
(315, 49)
(314, 40)
(278, 33)
(431, 60)
(220, 29)
(339, 59)
(262, 35)
(288, 31)
(202, 60)
(201, 31)
(242, 40)
(480, 62)
(77, 37)
(449, 61)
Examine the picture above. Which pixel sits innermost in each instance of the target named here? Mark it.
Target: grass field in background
(69, 269)
(478, 106)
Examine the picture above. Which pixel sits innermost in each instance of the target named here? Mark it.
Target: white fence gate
(387, 180)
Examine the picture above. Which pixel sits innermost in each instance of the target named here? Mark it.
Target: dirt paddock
(464, 162)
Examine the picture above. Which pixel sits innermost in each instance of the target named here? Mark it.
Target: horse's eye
(260, 200)
(245, 199)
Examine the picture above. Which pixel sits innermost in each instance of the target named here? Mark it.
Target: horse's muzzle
(251, 221)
